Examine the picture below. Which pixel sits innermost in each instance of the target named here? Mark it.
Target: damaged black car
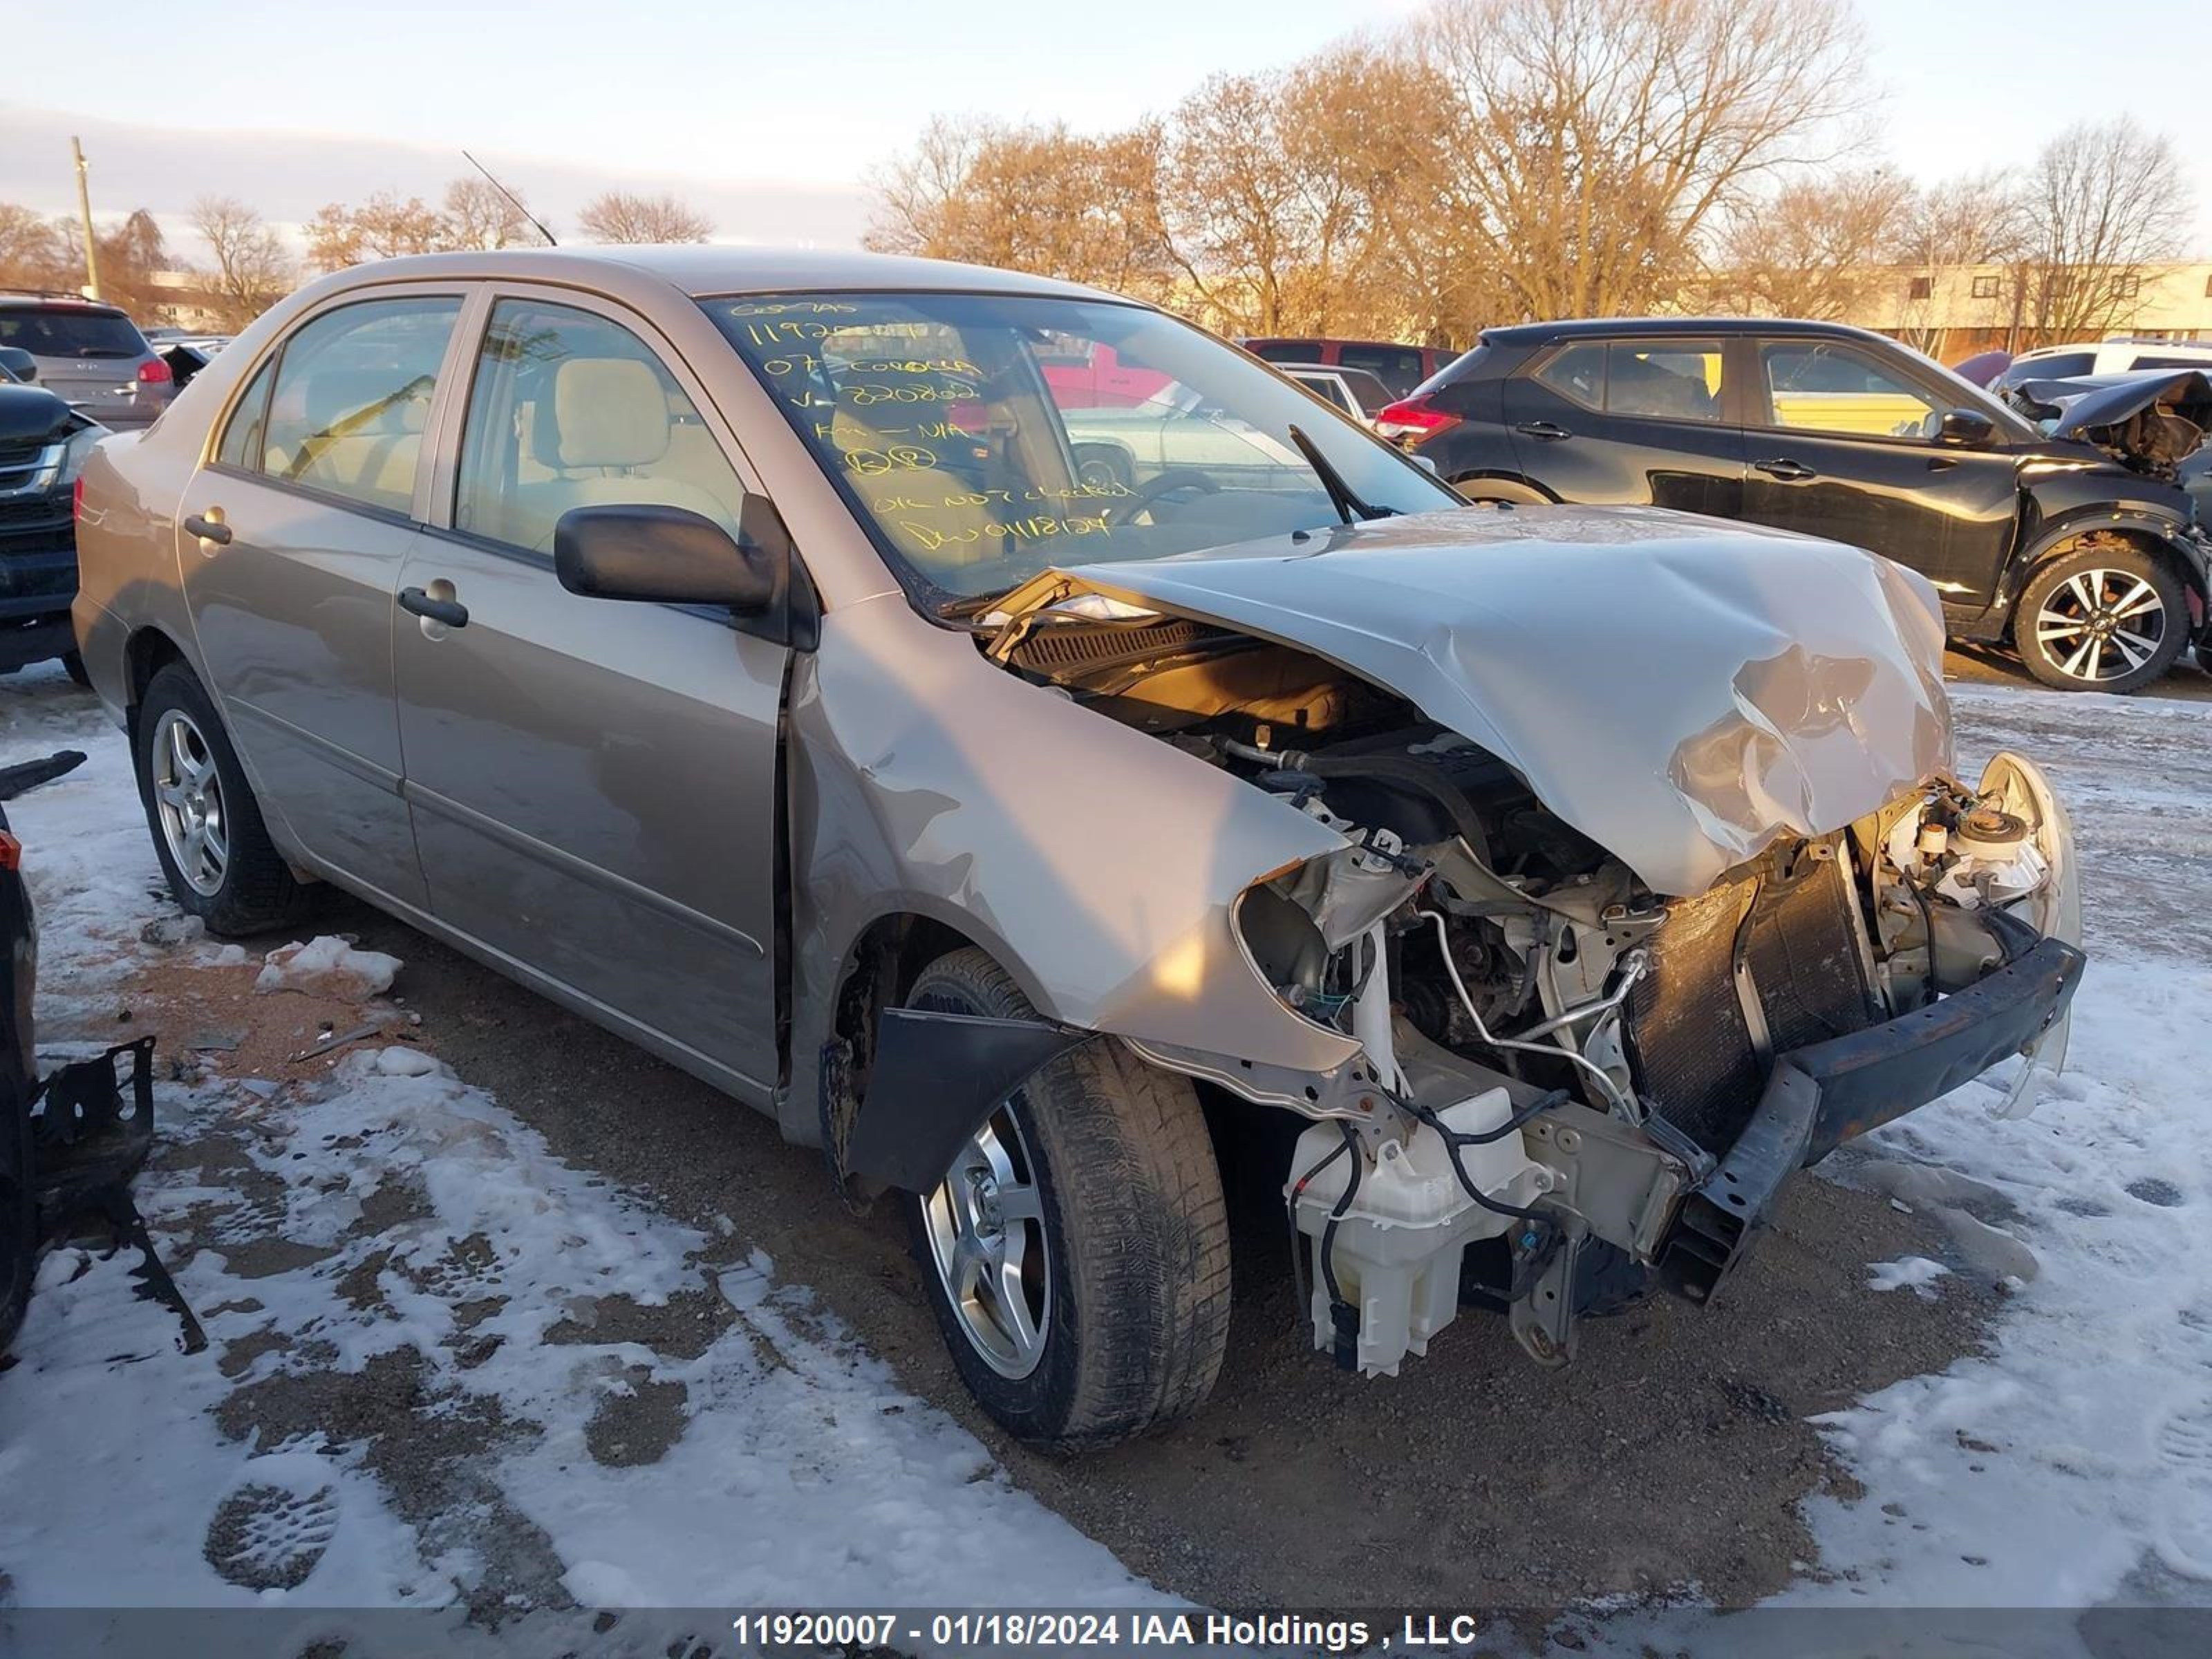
(2064, 534)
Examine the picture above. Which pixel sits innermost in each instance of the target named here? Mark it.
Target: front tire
(207, 830)
(1076, 1252)
(2105, 616)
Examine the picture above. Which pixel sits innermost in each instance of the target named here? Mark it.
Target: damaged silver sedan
(1043, 758)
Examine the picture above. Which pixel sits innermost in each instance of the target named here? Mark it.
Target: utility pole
(84, 217)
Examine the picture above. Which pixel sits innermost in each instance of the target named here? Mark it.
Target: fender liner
(2188, 546)
(934, 1079)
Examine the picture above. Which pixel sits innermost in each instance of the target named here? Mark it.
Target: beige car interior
(363, 436)
(595, 431)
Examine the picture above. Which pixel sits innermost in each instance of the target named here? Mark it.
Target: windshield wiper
(1349, 507)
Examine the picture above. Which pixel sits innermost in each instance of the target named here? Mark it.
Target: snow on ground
(2071, 1464)
(434, 1236)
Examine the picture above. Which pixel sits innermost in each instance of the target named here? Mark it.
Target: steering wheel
(1174, 478)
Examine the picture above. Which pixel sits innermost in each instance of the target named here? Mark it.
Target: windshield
(984, 438)
(55, 331)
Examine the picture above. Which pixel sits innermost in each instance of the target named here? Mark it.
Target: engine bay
(1555, 1055)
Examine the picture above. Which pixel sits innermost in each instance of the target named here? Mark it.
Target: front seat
(602, 439)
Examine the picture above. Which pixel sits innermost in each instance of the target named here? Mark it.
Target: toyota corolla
(755, 653)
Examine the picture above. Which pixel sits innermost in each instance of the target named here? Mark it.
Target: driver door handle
(1788, 470)
(209, 528)
(1542, 431)
(452, 612)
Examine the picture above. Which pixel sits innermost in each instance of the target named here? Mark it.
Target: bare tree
(921, 194)
(1587, 143)
(1501, 159)
(2103, 202)
(478, 215)
(1815, 249)
(252, 268)
(384, 227)
(621, 216)
(1979, 223)
(32, 253)
(1036, 199)
(130, 255)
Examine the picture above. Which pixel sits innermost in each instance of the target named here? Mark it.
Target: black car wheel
(208, 831)
(2103, 616)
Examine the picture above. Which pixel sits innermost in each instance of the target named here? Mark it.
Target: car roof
(21, 296)
(1330, 339)
(701, 270)
(1630, 327)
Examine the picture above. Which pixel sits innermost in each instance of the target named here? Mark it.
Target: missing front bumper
(1826, 1093)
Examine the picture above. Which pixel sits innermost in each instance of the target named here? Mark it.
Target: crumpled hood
(2157, 416)
(1683, 691)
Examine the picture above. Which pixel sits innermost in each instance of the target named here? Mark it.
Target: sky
(768, 118)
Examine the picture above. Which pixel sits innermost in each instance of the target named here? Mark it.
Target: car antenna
(513, 200)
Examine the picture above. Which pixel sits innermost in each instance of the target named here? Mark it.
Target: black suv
(44, 444)
(2080, 549)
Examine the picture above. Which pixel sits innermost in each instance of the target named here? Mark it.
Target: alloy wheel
(188, 799)
(2101, 624)
(985, 1223)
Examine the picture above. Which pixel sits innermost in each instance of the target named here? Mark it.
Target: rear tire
(2103, 616)
(1123, 1275)
(190, 780)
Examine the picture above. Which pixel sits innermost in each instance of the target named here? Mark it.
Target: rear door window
(1399, 367)
(66, 331)
(352, 399)
(1653, 380)
(1329, 386)
(2059, 366)
(245, 441)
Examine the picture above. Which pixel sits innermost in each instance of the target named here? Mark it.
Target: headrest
(607, 411)
(332, 398)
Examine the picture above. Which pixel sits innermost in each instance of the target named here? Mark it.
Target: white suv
(2071, 362)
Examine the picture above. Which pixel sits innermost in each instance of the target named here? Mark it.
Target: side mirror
(1965, 429)
(17, 364)
(672, 555)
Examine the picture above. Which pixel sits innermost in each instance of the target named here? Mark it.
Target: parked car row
(1039, 757)
(2075, 541)
(71, 370)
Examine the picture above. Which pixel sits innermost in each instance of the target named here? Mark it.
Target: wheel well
(1501, 486)
(2151, 544)
(148, 652)
(889, 954)
(884, 961)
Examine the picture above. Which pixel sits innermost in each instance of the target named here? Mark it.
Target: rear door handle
(1788, 470)
(1542, 431)
(452, 612)
(209, 528)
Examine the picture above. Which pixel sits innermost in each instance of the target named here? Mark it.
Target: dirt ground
(1675, 1452)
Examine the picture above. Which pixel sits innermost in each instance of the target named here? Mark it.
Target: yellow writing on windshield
(1042, 527)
